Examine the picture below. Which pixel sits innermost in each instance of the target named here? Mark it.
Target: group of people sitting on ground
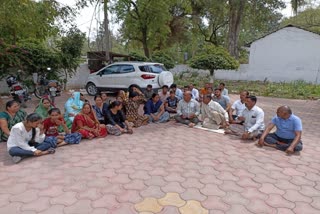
(39, 133)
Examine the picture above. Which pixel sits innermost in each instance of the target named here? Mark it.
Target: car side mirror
(100, 74)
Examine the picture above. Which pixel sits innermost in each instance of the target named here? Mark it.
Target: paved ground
(169, 168)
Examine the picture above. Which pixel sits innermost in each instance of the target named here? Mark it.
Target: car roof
(136, 63)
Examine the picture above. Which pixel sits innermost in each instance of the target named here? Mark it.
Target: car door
(125, 76)
(105, 76)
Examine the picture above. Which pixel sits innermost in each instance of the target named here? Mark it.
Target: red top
(51, 128)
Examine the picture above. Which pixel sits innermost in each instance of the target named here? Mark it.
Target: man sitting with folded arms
(238, 106)
(188, 110)
(288, 134)
(213, 115)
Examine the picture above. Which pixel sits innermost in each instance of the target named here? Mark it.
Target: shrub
(163, 58)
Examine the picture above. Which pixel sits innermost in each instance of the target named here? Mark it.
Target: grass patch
(298, 89)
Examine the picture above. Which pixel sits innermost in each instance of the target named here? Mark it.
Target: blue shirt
(151, 108)
(286, 128)
(172, 102)
(223, 101)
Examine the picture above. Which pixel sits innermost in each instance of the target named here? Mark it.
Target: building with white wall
(288, 54)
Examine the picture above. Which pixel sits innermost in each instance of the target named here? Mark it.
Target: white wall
(286, 55)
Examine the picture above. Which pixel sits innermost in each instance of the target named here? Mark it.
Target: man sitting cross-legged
(288, 134)
(213, 115)
(253, 118)
(188, 110)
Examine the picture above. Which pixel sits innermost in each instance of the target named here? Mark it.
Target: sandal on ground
(51, 150)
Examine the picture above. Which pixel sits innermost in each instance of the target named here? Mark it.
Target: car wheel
(91, 89)
(165, 78)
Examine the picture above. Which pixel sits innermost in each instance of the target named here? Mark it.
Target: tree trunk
(65, 80)
(235, 16)
(212, 76)
(145, 43)
(106, 32)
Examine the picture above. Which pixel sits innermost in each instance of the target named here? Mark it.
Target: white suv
(121, 75)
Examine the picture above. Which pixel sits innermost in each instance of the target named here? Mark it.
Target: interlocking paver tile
(90, 194)
(284, 211)
(4, 199)
(285, 184)
(152, 191)
(130, 196)
(192, 182)
(212, 189)
(215, 203)
(259, 206)
(135, 184)
(112, 189)
(305, 208)
(120, 179)
(66, 198)
(295, 196)
(208, 170)
(223, 173)
(254, 193)
(13, 189)
(38, 205)
(25, 197)
(210, 179)
(193, 194)
(231, 186)
(235, 198)
(192, 207)
(80, 207)
(169, 210)
(54, 209)
(106, 201)
(173, 187)
(172, 199)
(238, 209)
(278, 201)
(100, 211)
(12, 208)
(149, 205)
(171, 177)
(262, 178)
(270, 189)
(309, 191)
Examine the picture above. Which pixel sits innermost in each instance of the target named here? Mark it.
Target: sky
(87, 20)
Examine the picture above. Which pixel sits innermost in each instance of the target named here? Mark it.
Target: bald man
(288, 134)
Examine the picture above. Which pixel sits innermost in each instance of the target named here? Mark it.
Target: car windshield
(156, 68)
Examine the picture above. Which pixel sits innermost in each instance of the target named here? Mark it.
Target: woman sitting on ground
(100, 109)
(132, 107)
(27, 139)
(73, 106)
(52, 126)
(43, 107)
(9, 118)
(117, 123)
(87, 124)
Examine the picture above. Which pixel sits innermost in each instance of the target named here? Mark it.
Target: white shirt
(186, 108)
(254, 119)
(19, 137)
(225, 92)
(212, 106)
(238, 106)
(179, 94)
(195, 94)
